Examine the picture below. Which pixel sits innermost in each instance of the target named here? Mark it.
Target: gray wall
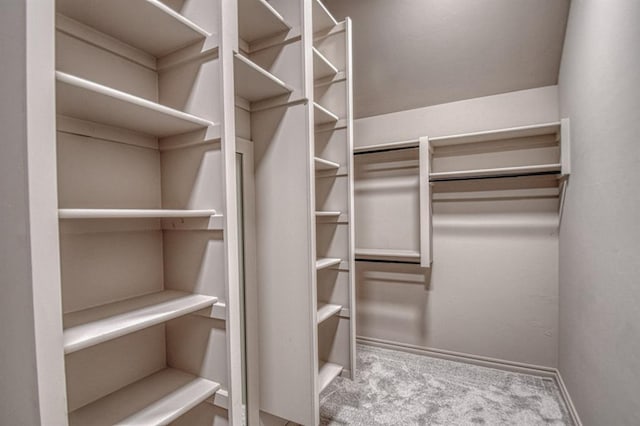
(493, 290)
(599, 351)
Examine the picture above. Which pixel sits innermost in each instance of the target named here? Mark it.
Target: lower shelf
(131, 213)
(96, 325)
(157, 399)
(328, 372)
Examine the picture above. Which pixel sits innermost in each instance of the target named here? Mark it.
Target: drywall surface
(493, 288)
(599, 352)
(413, 53)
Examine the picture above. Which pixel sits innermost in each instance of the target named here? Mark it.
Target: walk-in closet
(319, 212)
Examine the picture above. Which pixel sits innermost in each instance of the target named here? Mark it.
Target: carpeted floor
(398, 388)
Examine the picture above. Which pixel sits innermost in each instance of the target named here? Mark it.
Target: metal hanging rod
(456, 179)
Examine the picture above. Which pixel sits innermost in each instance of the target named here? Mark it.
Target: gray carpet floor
(399, 388)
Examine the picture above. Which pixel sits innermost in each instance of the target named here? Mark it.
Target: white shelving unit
(322, 164)
(322, 68)
(145, 153)
(322, 115)
(327, 372)
(327, 310)
(253, 83)
(257, 20)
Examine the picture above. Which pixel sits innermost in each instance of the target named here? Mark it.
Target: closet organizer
(518, 162)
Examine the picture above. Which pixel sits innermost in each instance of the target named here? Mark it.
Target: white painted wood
(327, 310)
(257, 20)
(149, 25)
(565, 146)
(327, 262)
(411, 143)
(253, 83)
(322, 164)
(321, 115)
(85, 100)
(497, 172)
(96, 325)
(362, 253)
(426, 214)
(327, 213)
(322, 18)
(498, 134)
(131, 213)
(322, 67)
(154, 400)
(327, 373)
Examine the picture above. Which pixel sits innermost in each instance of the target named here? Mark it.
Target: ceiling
(416, 53)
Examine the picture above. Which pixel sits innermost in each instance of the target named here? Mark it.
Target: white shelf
(327, 213)
(86, 100)
(322, 164)
(387, 254)
(148, 25)
(321, 115)
(322, 18)
(328, 372)
(131, 213)
(326, 262)
(96, 325)
(322, 68)
(157, 399)
(326, 311)
(257, 19)
(253, 83)
(497, 172)
(496, 135)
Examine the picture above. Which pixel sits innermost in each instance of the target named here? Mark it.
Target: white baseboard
(515, 367)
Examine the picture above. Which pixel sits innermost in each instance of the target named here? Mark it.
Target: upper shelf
(496, 135)
(496, 172)
(322, 164)
(327, 262)
(131, 213)
(257, 19)
(322, 68)
(321, 115)
(155, 400)
(96, 325)
(387, 254)
(148, 25)
(322, 18)
(86, 100)
(253, 83)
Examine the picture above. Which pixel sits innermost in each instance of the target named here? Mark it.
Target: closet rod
(405, 262)
(455, 179)
(372, 151)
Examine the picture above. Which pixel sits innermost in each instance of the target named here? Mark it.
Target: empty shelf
(322, 164)
(387, 254)
(327, 373)
(326, 262)
(322, 18)
(86, 100)
(257, 19)
(327, 213)
(254, 83)
(148, 25)
(326, 311)
(155, 400)
(321, 66)
(96, 325)
(321, 115)
(131, 213)
(499, 134)
(496, 172)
